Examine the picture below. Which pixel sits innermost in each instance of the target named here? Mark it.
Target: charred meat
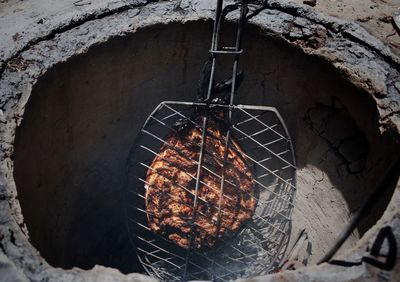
(170, 188)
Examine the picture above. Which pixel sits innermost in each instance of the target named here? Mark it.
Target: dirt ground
(376, 16)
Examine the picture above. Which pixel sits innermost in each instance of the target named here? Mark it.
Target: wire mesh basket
(258, 247)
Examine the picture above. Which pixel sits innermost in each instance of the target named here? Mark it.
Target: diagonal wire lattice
(259, 246)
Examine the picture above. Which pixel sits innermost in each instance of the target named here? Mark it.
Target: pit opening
(83, 116)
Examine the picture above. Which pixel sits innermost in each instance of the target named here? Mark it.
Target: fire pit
(94, 85)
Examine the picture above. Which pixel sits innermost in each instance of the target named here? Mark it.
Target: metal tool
(260, 245)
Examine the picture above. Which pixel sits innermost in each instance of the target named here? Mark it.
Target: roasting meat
(170, 188)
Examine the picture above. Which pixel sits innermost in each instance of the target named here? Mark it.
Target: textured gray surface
(39, 38)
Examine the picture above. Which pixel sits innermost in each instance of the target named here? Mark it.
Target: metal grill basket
(260, 245)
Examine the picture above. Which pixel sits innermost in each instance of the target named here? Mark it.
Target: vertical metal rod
(243, 11)
(214, 45)
(192, 225)
(216, 22)
(232, 94)
(210, 85)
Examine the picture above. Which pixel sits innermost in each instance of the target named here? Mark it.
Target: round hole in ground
(84, 114)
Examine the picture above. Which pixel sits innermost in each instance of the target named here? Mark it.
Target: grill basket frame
(258, 248)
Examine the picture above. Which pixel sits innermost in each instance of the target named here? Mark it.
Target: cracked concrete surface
(376, 16)
(348, 144)
(41, 39)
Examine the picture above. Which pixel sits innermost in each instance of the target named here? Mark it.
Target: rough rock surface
(376, 16)
(43, 38)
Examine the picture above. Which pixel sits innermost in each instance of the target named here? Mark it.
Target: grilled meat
(171, 181)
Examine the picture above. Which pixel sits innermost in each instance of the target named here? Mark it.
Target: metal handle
(215, 51)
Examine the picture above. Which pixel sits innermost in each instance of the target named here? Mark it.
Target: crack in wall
(11, 237)
(2, 236)
(352, 148)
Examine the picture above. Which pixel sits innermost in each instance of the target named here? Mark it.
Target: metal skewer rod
(243, 11)
(214, 46)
